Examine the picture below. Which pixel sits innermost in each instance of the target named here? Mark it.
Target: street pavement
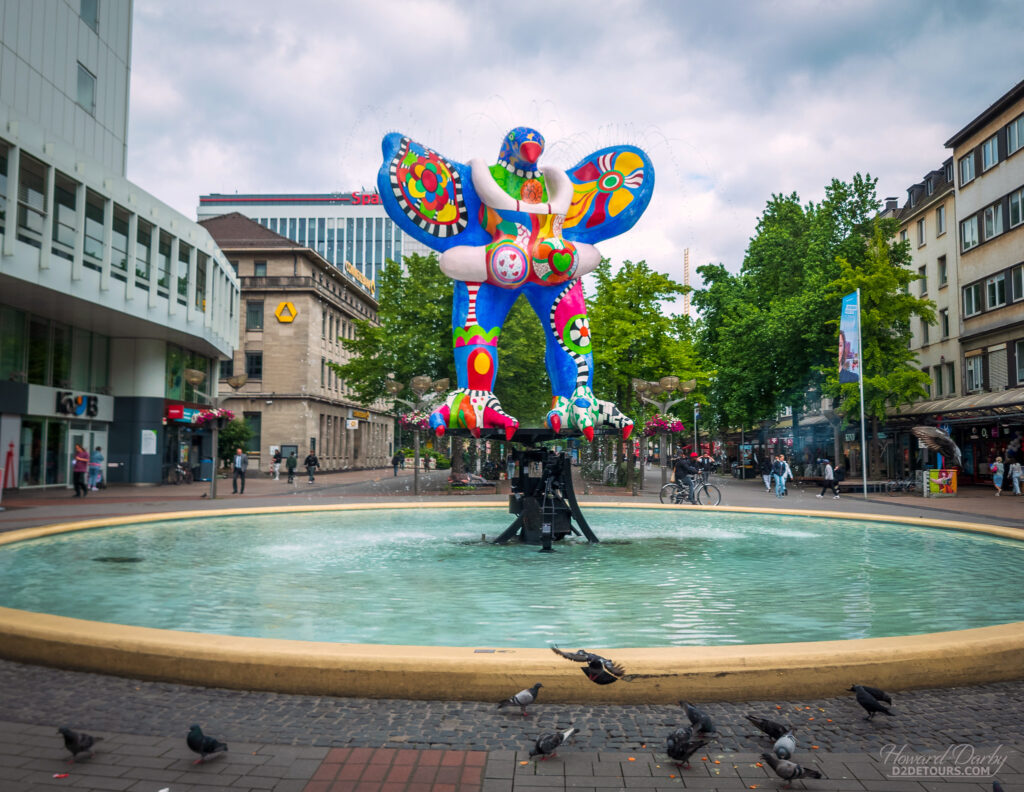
(291, 743)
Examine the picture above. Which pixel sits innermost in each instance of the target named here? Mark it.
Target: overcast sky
(733, 101)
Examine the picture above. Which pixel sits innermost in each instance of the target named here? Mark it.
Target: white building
(106, 293)
(350, 230)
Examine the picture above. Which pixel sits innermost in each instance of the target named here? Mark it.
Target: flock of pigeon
(684, 742)
(202, 744)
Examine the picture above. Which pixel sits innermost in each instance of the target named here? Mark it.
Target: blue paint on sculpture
(510, 229)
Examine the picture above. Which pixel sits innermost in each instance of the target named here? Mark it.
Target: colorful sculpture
(513, 229)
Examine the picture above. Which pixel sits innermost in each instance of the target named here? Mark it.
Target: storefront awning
(975, 405)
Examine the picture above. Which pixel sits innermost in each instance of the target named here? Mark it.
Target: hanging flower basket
(417, 419)
(220, 414)
(663, 424)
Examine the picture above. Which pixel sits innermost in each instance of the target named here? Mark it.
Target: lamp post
(666, 387)
(426, 391)
(195, 377)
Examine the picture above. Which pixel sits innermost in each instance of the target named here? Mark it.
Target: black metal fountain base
(541, 492)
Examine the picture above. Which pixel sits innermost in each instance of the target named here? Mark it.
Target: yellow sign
(367, 282)
(364, 414)
(286, 312)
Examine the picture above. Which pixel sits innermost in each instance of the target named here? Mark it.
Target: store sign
(362, 414)
(355, 273)
(179, 412)
(351, 424)
(286, 312)
(70, 404)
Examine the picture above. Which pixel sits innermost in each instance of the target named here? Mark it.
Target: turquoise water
(658, 578)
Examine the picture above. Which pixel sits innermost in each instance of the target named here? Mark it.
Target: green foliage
(235, 434)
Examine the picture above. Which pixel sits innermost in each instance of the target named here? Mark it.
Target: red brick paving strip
(398, 770)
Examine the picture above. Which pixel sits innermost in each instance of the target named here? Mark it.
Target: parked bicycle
(900, 485)
(706, 494)
(179, 474)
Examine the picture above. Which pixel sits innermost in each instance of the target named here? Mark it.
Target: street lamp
(426, 391)
(195, 377)
(666, 387)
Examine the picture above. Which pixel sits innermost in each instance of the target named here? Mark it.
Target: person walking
(779, 475)
(830, 482)
(401, 459)
(787, 474)
(291, 463)
(241, 464)
(997, 474)
(78, 470)
(95, 469)
(395, 462)
(277, 464)
(766, 474)
(1015, 475)
(706, 464)
(311, 463)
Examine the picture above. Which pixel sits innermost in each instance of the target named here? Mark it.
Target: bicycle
(706, 494)
(900, 485)
(179, 474)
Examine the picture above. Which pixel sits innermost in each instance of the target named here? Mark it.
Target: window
(943, 274)
(920, 232)
(938, 380)
(201, 262)
(65, 191)
(3, 187)
(163, 262)
(973, 371)
(323, 372)
(254, 315)
(1018, 349)
(995, 288)
(254, 365)
(989, 153)
(967, 169)
(944, 322)
(31, 200)
(323, 324)
(119, 240)
(929, 185)
(259, 269)
(143, 248)
(940, 221)
(949, 171)
(184, 252)
(922, 274)
(993, 221)
(969, 233)
(94, 210)
(972, 299)
(1014, 135)
(924, 333)
(951, 377)
(928, 384)
(89, 11)
(1017, 207)
(86, 90)
(1017, 283)
(903, 235)
(227, 368)
(254, 421)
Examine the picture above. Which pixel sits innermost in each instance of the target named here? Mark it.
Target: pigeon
(996, 786)
(870, 704)
(77, 742)
(698, 717)
(599, 670)
(789, 771)
(881, 695)
(769, 727)
(522, 699)
(548, 743)
(680, 746)
(203, 744)
(785, 746)
(939, 441)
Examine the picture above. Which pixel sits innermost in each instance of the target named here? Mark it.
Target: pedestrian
(778, 474)
(277, 464)
(787, 474)
(706, 464)
(396, 460)
(311, 463)
(78, 470)
(241, 464)
(1015, 474)
(401, 460)
(684, 470)
(95, 469)
(291, 463)
(766, 474)
(830, 482)
(997, 474)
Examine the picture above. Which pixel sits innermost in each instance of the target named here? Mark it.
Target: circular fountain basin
(406, 602)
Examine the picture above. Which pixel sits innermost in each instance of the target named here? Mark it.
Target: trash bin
(206, 469)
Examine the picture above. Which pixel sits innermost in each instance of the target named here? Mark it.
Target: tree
(235, 434)
(890, 371)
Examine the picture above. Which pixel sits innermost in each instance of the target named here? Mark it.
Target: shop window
(100, 363)
(12, 345)
(38, 351)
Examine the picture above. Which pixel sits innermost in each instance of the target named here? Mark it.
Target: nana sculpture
(511, 229)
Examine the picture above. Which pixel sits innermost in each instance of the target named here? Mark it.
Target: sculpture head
(521, 148)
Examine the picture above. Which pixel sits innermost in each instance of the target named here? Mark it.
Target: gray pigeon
(785, 746)
(77, 742)
(202, 744)
(698, 717)
(599, 670)
(772, 728)
(549, 742)
(789, 771)
(680, 746)
(522, 699)
(870, 704)
(996, 786)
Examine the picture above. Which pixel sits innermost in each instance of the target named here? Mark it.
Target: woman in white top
(1015, 475)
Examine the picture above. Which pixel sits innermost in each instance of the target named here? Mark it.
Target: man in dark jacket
(684, 470)
(239, 466)
(311, 463)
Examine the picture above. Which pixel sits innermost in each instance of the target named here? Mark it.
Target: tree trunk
(458, 468)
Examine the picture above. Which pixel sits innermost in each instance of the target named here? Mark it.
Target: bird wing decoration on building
(938, 441)
(611, 189)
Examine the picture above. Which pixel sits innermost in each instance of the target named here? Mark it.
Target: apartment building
(296, 306)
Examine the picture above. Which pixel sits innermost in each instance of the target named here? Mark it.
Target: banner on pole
(849, 340)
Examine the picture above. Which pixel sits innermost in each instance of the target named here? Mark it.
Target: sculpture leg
(570, 361)
(478, 314)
